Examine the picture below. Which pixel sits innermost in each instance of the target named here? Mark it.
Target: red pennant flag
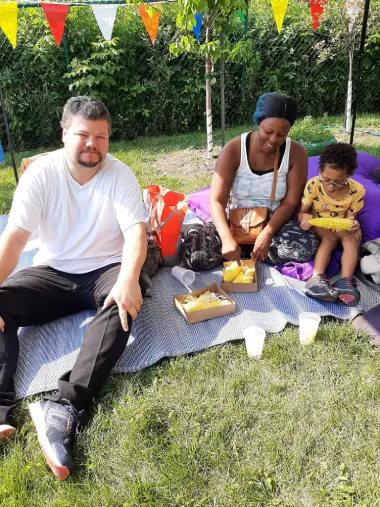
(56, 17)
(316, 8)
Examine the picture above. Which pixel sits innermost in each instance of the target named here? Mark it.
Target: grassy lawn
(299, 428)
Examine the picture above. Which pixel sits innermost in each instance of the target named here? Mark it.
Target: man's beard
(89, 164)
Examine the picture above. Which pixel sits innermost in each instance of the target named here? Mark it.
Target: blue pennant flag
(198, 25)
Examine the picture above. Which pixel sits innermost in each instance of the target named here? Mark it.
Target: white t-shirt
(81, 226)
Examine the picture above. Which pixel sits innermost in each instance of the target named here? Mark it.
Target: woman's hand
(231, 250)
(261, 248)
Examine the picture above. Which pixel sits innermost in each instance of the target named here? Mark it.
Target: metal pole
(222, 90)
(358, 75)
(10, 145)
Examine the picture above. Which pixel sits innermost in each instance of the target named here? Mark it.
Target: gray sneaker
(56, 424)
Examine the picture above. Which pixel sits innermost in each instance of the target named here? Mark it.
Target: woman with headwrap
(243, 178)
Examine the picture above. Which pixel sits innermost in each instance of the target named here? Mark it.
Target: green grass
(299, 428)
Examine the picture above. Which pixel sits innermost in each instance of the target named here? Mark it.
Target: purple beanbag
(198, 203)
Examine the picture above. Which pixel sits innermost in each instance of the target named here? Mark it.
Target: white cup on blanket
(308, 327)
(254, 341)
(185, 276)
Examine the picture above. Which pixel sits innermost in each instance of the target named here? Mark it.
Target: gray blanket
(159, 331)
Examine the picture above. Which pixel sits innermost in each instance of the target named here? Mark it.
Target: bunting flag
(8, 21)
(105, 16)
(197, 28)
(353, 9)
(241, 16)
(279, 9)
(316, 8)
(151, 20)
(56, 17)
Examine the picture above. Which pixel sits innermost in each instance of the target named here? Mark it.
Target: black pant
(41, 294)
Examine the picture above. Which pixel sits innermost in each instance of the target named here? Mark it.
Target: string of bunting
(56, 14)
(105, 15)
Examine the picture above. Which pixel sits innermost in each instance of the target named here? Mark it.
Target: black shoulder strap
(248, 142)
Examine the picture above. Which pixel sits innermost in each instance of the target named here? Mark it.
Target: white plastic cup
(185, 276)
(254, 341)
(308, 327)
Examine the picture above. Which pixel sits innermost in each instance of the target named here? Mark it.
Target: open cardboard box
(208, 313)
(241, 287)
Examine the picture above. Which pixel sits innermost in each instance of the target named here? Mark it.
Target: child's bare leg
(350, 243)
(329, 241)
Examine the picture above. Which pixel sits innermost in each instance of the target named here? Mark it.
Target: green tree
(219, 18)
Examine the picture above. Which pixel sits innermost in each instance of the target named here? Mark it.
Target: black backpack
(202, 247)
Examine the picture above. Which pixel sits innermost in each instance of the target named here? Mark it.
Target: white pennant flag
(105, 16)
(353, 9)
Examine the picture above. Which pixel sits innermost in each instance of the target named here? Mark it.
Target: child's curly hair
(339, 156)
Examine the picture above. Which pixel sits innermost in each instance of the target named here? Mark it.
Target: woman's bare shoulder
(229, 157)
(297, 149)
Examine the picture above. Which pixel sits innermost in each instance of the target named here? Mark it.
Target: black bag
(153, 257)
(202, 248)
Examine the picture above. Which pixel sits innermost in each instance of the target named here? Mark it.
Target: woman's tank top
(251, 190)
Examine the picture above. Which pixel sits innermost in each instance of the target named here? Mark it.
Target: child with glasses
(333, 194)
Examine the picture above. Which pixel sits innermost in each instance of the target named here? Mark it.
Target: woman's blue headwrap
(275, 105)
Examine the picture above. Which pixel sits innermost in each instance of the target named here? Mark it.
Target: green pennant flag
(241, 16)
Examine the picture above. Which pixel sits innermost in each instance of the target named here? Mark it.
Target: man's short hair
(86, 107)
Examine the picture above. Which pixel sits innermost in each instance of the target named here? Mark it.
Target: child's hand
(355, 226)
(305, 221)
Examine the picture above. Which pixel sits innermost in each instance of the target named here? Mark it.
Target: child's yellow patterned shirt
(324, 206)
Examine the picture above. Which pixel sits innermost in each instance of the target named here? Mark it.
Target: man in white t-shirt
(88, 208)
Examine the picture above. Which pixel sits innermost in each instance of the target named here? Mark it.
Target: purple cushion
(199, 203)
(369, 215)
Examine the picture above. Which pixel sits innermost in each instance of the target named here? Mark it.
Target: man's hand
(2, 325)
(305, 221)
(261, 248)
(127, 296)
(231, 250)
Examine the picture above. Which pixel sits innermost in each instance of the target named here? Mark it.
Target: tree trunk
(208, 66)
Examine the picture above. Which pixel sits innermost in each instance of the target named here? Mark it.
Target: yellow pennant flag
(279, 9)
(8, 21)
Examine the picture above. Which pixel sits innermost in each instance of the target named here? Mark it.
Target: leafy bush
(151, 92)
(307, 131)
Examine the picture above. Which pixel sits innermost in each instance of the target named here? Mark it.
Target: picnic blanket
(159, 331)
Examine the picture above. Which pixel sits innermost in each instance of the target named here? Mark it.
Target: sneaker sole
(348, 299)
(327, 299)
(38, 418)
(7, 432)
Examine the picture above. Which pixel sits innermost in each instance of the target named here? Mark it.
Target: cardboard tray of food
(208, 313)
(241, 287)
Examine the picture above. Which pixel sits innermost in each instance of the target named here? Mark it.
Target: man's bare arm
(12, 244)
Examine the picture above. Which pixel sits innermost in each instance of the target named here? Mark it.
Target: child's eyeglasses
(336, 184)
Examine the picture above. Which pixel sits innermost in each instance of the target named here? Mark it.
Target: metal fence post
(358, 75)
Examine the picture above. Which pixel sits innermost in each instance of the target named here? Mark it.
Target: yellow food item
(339, 224)
(239, 278)
(231, 272)
(249, 275)
(204, 301)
